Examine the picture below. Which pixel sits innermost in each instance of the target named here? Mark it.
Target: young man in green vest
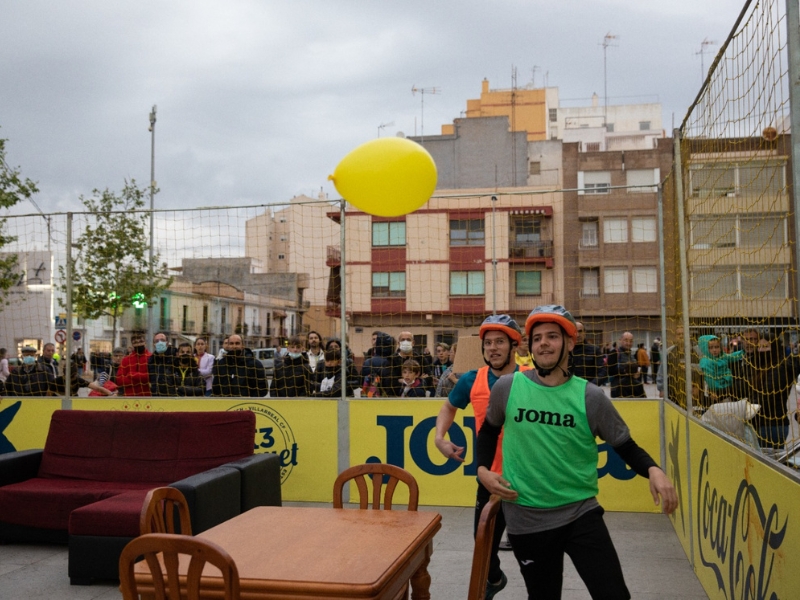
(549, 478)
(500, 335)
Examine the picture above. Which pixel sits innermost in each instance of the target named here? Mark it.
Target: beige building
(296, 239)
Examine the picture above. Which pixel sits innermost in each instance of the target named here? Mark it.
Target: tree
(13, 189)
(113, 271)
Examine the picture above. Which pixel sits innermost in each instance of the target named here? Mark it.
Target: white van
(267, 358)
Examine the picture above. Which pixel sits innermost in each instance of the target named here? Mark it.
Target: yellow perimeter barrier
(743, 515)
(304, 433)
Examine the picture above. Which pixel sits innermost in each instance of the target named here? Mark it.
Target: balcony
(165, 324)
(187, 327)
(540, 249)
(257, 329)
(333, 256)
(208, 328)
(226, 329)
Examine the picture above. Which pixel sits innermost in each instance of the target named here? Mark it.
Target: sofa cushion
(47, 503)
(120, 446)
(115, 516)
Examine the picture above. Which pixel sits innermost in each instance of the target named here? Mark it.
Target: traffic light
(138, 300)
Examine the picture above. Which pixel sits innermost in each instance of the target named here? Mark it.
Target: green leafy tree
(13, 189)
(113, 271)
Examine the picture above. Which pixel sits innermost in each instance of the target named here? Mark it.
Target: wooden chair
(483, 549)
(158, 512)
(377, 470)
(170, 546)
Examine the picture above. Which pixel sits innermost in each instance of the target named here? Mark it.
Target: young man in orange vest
(500, 335)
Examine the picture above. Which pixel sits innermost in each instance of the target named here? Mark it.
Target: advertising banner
(678, 472)
(402, 432)
(24, 423)
(303, 433)
(747, 522)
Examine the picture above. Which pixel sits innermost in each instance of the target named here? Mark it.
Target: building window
(283, 238)
(645, 280)
(389, 285)
(643, 179)
(589, 234)
(737, 231)
(644, 125)
(281, 256)
(594, 182)
(526, 230)
(615, 231)
(590, 283)
(753, 178)
(389, 234)
(553, 112)
(754, 282)
(535, 168)
(643, 229)
(528, 283)
(592, 146)
(467, 232)
(616, 281)
(610, 127)
(467, 283)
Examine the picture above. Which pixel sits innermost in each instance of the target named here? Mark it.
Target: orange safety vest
(479, 398)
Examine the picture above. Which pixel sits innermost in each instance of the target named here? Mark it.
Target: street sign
(76, 335)
(61, 336)
(61, 322)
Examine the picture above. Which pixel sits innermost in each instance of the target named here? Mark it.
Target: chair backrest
(170, 546)
(158, 512)
(393, 474)
(483, 549)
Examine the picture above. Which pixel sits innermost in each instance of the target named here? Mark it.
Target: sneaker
(493, 588)
(504, 545)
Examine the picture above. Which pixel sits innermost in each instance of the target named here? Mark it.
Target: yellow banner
(24, 422)
(303, 433)
(678, 472)
(401, 432)
(747, 522)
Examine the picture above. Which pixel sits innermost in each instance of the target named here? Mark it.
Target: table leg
(421, 580)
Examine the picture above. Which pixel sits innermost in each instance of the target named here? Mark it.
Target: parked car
(266, 356)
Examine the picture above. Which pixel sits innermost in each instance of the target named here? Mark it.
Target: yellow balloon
(386, 177)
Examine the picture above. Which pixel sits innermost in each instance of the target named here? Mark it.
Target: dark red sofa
(88, 485)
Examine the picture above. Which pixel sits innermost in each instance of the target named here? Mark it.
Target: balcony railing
(257, 329)
(540, 249)
(165, 324)
(187, 327)
(334, 256)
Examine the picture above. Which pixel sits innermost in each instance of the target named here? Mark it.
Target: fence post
(66, 403)
(677, 169)
(343, 408)
(662, 283)
(793, 43)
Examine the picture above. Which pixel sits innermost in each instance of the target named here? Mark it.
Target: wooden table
(288, 552)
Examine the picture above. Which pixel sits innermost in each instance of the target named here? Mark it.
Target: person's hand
(449, 449)
(662, 490)
(495, 484)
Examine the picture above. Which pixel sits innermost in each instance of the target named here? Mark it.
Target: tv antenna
(384, 126)
(607, 39)
(702, 52)
(533, 75)
(423, 91)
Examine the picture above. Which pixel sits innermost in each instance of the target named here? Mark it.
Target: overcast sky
(259, 100)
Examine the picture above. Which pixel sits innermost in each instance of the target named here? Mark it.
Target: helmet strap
(541, 371)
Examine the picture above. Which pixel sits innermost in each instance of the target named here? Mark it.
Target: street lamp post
(152, 129)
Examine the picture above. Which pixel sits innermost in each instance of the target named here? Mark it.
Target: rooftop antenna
(423, 91)
(533, 75)
(606, 43)
(384, 126)
(702, 52)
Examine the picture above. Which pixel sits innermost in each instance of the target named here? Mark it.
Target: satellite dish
(400, 134)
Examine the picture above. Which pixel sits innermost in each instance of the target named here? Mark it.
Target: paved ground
(653, 561)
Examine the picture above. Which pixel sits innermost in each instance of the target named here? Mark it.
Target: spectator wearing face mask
(188, 381)
(31, 378)
(405, 351)
(293, 376)
(161, 367)
(133, 375)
